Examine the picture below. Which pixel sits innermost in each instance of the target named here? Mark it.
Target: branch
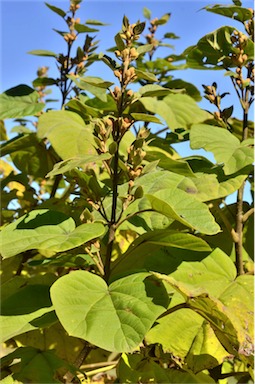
(248, 214)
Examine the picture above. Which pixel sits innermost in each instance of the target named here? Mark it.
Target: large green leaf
(207, 187)
(19, 101)
(46, 230)
(178, 110)
(210, 290)
(127, 309)
(158, 251)
(234, 12)
(186, 209)
(67, 132)
(214, 50)
(226, 147)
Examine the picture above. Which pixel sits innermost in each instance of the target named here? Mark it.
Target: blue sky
(27, 25)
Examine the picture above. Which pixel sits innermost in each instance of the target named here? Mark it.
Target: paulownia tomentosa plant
(120, 256)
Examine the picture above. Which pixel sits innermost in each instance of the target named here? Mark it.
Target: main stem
(240, 195)
(112, 223)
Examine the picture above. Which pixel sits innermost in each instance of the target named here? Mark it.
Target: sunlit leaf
(19, 101)
(46, 230)
(129, 307)
(234, 12)
(42, 52)
(226, 148)
(180, 206)
(67, 132)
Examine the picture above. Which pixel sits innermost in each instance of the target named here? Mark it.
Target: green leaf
(44, 81)
(163, 20)
(145, 117)
(19, 101)
(180, 206)
(144, 48)
(69, 164)
(119, 42)
(26, 300)
(226, 147)
(170, 35)
(189, 88)
(137, 368)
(234, 12)
(207, 187)
(35, 366)
(146, 13)
(129, 307)
(214, 49)
(42, 52)
(81, 28)
(95, 22)
(67, 132)
(153, 90)
(139, 28)
(94, 85)
(145, 75)
(29, 155)
(179, 111)
(167, 162)
(3, 135)
(57, 10)
(46, 230)
(230, 319)
(158, 250)
(12, 326)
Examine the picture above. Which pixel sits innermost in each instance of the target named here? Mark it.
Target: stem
(240, 195)
(78, 362)
(112, 223)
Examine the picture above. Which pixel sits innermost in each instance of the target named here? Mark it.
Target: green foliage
(118, 255)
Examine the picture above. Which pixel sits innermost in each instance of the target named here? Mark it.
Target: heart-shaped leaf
(127, 309)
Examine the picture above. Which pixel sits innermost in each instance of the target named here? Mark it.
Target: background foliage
(121, 260)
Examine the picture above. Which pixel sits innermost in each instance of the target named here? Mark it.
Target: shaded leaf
(35, 366)
(12, 326)
(155, 251)
(130, 306)
(44, 81)
(46, 230)
(138, 368)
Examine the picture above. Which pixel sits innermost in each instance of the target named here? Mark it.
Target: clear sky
(27, 25)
